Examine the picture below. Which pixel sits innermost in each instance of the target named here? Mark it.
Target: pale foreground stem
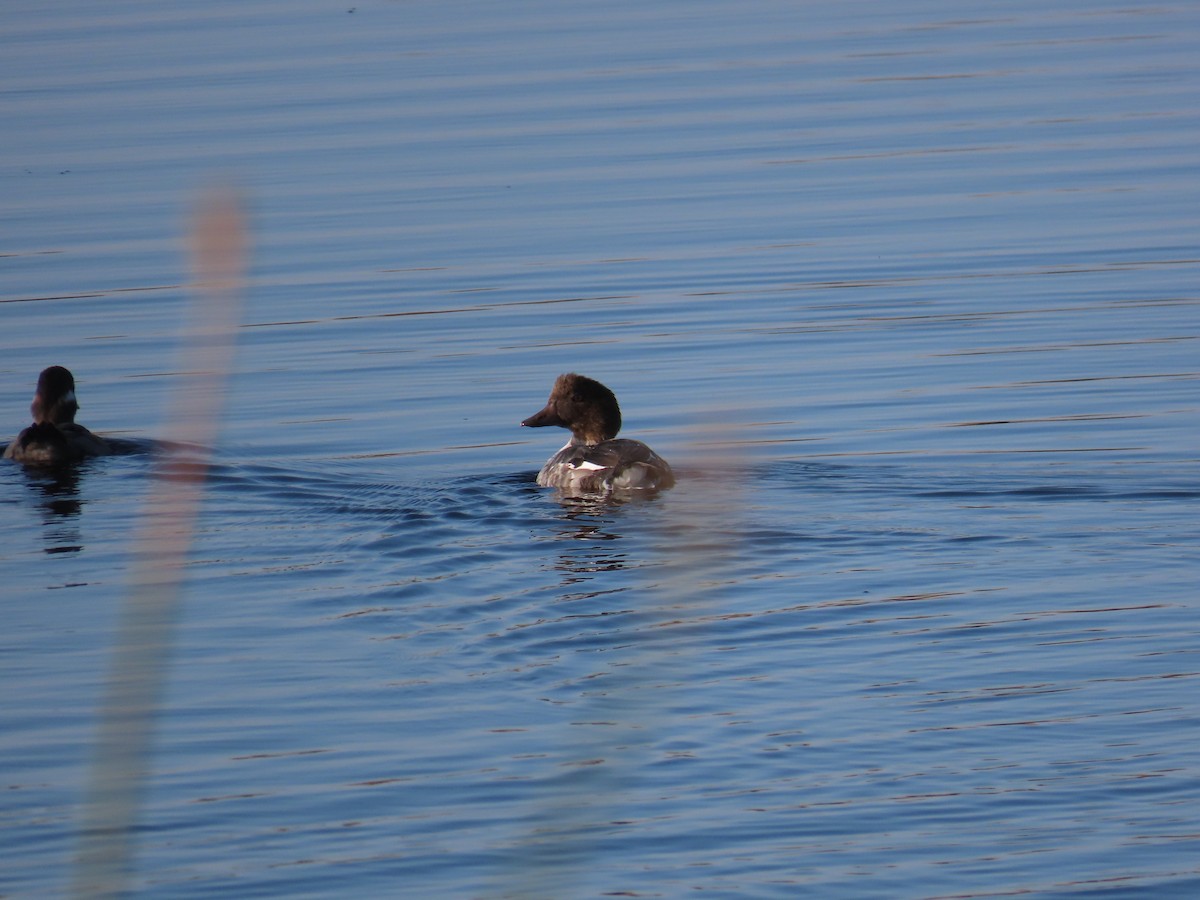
(142, 650)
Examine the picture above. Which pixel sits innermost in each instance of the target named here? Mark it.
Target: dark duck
(595, 460)
(55, 438)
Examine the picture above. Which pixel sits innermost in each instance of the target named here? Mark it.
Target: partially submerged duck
(55, 438)
(595, 460)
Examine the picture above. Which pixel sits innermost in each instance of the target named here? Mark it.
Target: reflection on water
(60, 493)
(592, 525)
(60, 503)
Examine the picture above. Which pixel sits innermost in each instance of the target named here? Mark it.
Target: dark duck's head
(583, 405)
(54, 401)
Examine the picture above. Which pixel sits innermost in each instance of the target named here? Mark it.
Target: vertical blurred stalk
(141, 657)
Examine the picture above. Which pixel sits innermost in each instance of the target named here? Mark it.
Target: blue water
(907, 296)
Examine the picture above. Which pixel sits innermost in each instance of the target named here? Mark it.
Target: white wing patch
(590, 466)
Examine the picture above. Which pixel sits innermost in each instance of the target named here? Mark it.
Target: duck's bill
(546, 416)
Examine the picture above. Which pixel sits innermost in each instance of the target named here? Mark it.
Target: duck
(595, 460)
(55, 438)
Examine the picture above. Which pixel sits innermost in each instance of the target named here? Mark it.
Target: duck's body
(618, 464)
(55, 438)
(43, 444)
(595, 460)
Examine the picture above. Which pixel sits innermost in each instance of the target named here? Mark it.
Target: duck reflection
(59, 492)
(589, 525)
(56, 492)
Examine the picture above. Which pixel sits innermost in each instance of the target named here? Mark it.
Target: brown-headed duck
(594, 459)
(55, 438)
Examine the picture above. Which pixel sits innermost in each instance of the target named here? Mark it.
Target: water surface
(905, 294)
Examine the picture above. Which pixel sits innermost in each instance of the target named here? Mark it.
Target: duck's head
(583, 405)
(55, 400)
